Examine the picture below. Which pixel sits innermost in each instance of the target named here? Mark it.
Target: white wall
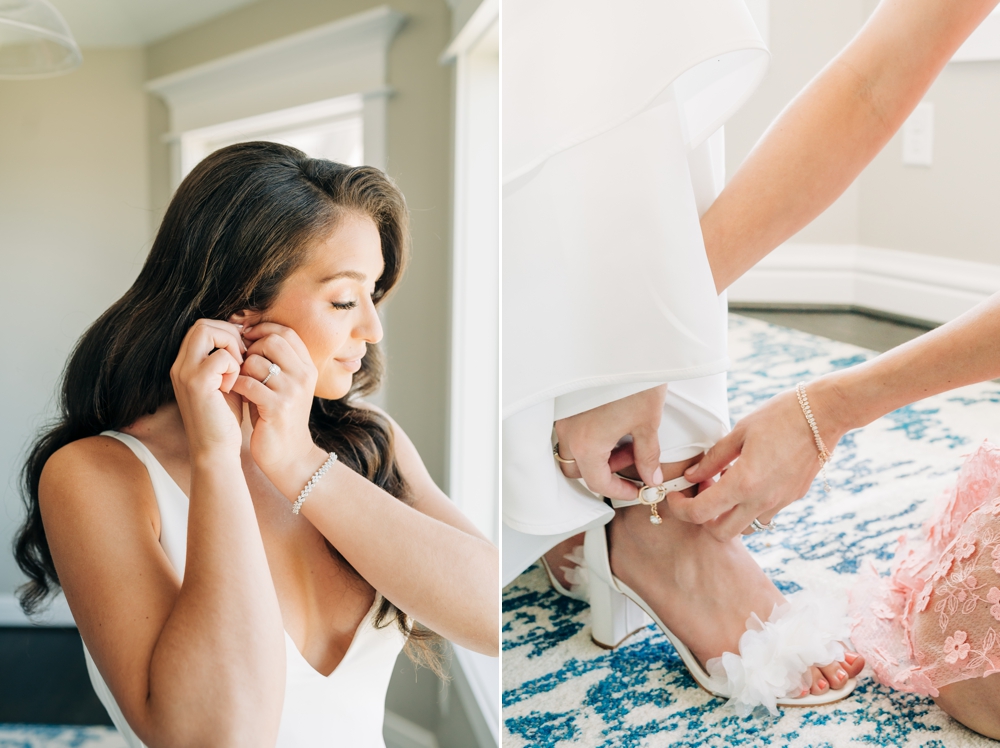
(74, 229)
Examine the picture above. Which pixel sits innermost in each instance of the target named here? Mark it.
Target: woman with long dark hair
(245, 544)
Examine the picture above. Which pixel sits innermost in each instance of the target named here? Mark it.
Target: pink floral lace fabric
(935, 619)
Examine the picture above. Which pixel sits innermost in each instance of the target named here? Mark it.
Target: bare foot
(703, 590)
(557, 561)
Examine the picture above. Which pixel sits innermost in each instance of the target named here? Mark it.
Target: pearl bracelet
(824, 453)
(312, 482)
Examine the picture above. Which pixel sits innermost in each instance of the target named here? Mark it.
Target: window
(331, 129)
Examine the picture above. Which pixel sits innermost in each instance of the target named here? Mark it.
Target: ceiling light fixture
(35, 41)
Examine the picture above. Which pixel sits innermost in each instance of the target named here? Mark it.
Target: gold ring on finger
(559, 457)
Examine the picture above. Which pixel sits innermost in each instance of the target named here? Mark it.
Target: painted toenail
(841, 674)
(823, 685)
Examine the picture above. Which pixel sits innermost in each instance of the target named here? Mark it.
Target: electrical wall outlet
(918, 136)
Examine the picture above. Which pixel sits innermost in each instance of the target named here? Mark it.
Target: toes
(819, 683)
(835, 674)
(853, 663)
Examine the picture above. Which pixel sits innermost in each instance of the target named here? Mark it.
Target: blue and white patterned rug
(559, 689)
(59, 736)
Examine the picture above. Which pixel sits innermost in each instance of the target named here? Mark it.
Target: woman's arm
(777, 456)
(833, 129)
(198, 663)
(428, 559)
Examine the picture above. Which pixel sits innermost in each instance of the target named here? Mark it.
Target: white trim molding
(474, 423)
(56, 615)
(904, 284)
(343, 58)
(400, 732)
(474, 418)
(477, 682)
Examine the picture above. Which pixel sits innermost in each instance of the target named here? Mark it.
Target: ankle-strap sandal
(775, 656)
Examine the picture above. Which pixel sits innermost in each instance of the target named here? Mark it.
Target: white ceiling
(124, 23)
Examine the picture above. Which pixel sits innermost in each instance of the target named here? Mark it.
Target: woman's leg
(975, 703)
(703, 590)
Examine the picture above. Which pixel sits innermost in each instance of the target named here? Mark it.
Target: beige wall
(950, 208)
(944, 210)
(84, 181)
(419, 159)
(74, 229)
(804, 36)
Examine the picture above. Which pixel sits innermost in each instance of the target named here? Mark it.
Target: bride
(244, 542)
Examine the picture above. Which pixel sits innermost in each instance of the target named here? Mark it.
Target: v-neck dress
(345, 708)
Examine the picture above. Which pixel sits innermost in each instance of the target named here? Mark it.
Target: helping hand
(590, 439)
(777, 463)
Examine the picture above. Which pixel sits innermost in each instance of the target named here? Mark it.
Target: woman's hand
(777, 462)
(203, 376)
(279, 410)
(591, 437)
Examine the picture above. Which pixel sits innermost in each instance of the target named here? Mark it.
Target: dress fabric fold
(612, 151)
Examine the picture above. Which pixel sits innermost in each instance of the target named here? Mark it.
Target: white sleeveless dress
(613, 148)
(345, 708)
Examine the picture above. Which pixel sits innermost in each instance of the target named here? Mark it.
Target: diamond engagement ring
(758, 525)
(275, 369)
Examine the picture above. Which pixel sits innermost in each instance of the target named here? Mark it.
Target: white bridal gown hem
(609, 161)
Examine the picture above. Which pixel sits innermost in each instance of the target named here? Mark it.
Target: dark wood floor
(858, 328)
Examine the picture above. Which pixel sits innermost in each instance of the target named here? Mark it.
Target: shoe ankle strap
(677, 484)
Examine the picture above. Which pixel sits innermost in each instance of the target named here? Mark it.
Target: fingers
(621, 458)
(646, 449)
(257, 394)
(569, 469)
(732, 523)
(222, 364)
(206, 335)
(708, 504)
(596, 473)
(265, 329)
(259, 367)
(724, 451)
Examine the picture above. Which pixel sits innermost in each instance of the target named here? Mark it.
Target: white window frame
(345, 58)
(474, 418)
(196, 144)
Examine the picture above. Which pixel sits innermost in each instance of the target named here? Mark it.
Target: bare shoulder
(95, 467)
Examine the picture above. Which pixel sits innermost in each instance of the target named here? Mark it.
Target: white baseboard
(399, 732)
(57, 614)
(477, 681)
(905, 284)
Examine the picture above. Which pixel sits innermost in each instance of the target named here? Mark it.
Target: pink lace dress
(935, 619)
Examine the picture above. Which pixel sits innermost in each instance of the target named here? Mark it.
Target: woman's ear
(244, 317)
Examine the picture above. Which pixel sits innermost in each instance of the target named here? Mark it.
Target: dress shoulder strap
(170, 500)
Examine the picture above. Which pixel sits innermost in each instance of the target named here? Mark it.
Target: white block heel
(613, 617)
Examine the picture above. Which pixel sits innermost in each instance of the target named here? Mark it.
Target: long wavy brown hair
(237, 227)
